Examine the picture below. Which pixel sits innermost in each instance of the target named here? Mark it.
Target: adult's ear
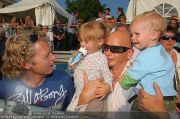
(130, 53)
(26, 65)
(100, 42)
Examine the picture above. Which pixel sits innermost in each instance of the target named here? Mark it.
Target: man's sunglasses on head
(114, 49)
(167, 37)
(33, 38)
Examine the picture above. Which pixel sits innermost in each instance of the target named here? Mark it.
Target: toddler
(91, 36)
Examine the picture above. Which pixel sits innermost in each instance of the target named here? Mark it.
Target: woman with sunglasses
(168, 40)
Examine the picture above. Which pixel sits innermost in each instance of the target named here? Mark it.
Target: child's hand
(71, 58)
(75, 53)
(102, 90)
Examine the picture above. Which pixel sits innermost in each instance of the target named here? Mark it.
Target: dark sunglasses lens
(33, 38)
(166, 37)
(115, 49)
(173, 38)
(105, 48)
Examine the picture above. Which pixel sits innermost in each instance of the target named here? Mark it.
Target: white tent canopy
(166, 8)
(44, 10)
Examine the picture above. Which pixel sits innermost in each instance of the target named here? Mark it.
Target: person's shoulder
(98, 55)
(101, 58)
(177, 49)
(178, 56)
(60, 73)
(151, 55)
(102, 55)
(4, 82)
(151, 52)
(60, 77)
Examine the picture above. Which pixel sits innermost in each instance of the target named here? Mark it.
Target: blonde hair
(157, 22)
(19, 49)
(92, 30)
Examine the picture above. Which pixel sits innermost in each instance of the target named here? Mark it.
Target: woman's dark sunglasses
(167, 37)
(114, 49)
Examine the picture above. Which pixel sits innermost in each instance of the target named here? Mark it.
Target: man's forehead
(41, 45)
(119, 38)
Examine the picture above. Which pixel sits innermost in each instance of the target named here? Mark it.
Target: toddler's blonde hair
(92, 31)
(157, 22)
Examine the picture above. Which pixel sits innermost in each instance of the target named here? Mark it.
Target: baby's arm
(134, 74)
(128, 81)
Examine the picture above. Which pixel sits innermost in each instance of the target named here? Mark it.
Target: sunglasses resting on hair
(167, 37)
(33, 38)
(114, 49)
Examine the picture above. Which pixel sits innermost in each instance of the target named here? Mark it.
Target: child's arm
(135, 73)
(128, 81)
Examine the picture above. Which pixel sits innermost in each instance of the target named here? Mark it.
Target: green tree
(88, 8)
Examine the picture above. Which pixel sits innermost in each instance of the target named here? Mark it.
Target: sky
(112, 4)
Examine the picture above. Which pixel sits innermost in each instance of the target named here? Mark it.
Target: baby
(153, 64)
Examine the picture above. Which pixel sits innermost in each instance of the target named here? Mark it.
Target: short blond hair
(92, 30)
(157, 22)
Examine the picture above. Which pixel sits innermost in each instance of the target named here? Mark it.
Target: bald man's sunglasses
(114, 49)
(167, 37)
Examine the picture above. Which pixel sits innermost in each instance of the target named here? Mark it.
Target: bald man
(118, 49)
